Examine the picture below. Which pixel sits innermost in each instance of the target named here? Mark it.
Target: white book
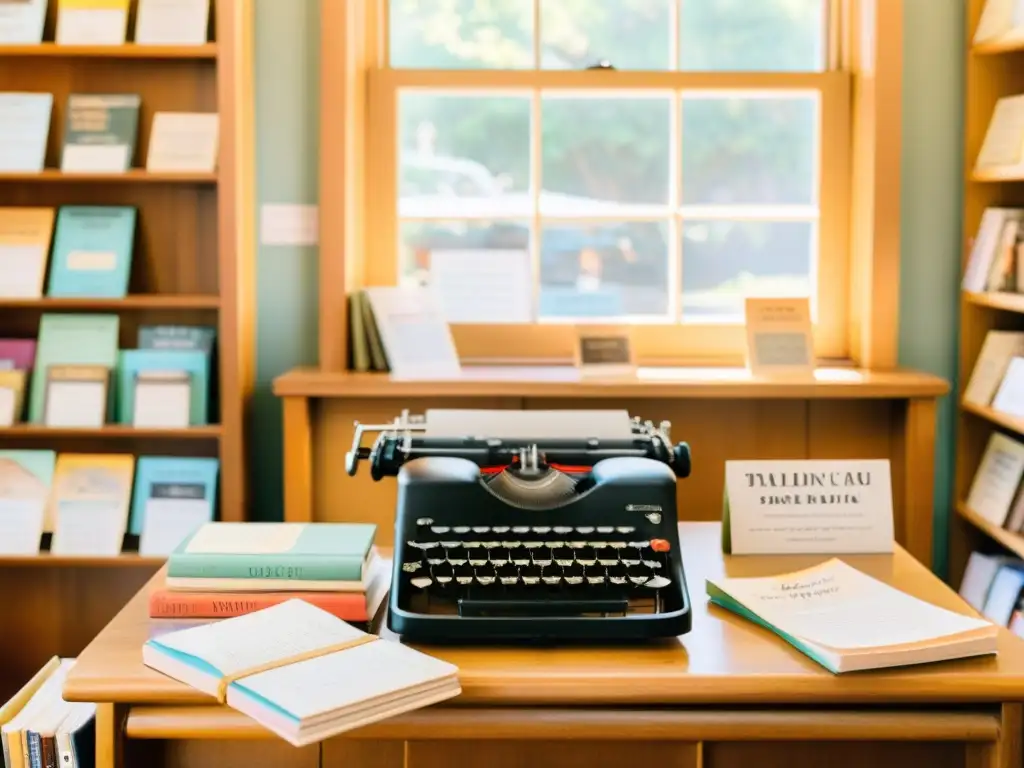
(985, 247)
(21, 21)
(999, 348)
(300, 672)
(183, 142)
(977, 579)
(1010, 397)
(848, 621)
(24, 129)
(1003, 146)
(172, 22)
(996, 481)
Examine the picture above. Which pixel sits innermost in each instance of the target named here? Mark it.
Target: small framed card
(779, 338)
(172, 22)
(173, 511)
(183, 142)
(603, 352)
(88, 527)
(76, 396)
(88, 22)
(162, 399)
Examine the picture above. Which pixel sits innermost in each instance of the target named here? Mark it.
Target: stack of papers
(301, 672)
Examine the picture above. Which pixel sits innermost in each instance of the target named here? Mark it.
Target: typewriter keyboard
(535, 570)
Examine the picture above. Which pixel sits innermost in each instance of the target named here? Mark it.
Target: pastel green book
(293, 552)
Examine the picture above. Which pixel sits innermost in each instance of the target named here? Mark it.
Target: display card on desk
(414, 333)
(779, 339)
(810, 507)
(302, 673)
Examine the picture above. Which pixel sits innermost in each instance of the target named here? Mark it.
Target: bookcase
(193, 264)
(994, 69)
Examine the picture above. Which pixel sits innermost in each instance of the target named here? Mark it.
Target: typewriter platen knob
(681, 459)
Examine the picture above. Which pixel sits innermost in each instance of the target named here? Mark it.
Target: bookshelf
(993, 69)
(193, 264)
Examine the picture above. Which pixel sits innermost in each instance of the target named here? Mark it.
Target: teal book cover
(171, 477)
(92, 251)
(292, 551)
(195, 363)
(74, 339)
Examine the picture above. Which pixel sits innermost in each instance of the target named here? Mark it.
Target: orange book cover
(165, 604)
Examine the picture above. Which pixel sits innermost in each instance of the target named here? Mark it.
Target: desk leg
(109, 736)
(1006, 751)
(298, 460)
(918, 458)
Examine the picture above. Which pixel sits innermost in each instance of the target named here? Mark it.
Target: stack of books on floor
(224, 570)
(39, 728)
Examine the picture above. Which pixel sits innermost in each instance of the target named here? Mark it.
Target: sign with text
(807, 507)
(604, 352)
(779, 339)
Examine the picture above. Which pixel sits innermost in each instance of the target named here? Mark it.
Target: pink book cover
(19, 354)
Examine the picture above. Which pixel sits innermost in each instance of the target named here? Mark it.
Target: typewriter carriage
(570, 537)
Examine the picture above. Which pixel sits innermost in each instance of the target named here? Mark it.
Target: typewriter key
(460, 529)
(541, 529)
(605, 529)
(586, 557)
(652, 564)
(421, 582)
(617, 544)
(520, 556)
(530, 575)
(625, 529)
(434, 559)
(457, 556)
(629, 560)
(443, 574)
(508, 575)
(552, 579)
(533, 544)
(542, 557)
(497, 556)
(463, 575)
(562, 529)
(439, 529)
(411, 566)
(520, 529)
(476, 556)
(510, 544)
(586, 530)
(657, 582)
(485, 580)
(491, 544)
(577, 544)
(500, 528)
(425, 521)
(481, 529)
(450, 544)
(595, 580)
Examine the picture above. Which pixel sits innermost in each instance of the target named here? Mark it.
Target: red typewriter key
(660, 545)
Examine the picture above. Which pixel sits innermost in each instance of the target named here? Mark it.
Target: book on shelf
(997, 479)
(274, 557)
(21, 22)
(24, 130)
(12, 396)
(92, 251)
(846, 620)
(994, 264)
(1002, 149)
(173, 497)
(26, 478)
(994, 586)
(39, 728)
(24, 249)
(183, 142)
(300, 672)
(998, 349)
(17, 354)
(100, 132)
(1001, 20)
(1009, 398)
(149, 395)
(172, 22)
(89, 503)
(92, 22)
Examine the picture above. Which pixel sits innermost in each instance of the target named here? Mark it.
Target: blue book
(92, 251)
(195, 363)
(165, 481)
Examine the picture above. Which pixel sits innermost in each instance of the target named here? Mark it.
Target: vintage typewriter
(514, 525)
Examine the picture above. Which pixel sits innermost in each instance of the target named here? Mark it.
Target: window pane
(607, 271)
(601, 154)
(752, 35)
(481, 270)
(464, 156)
(460, 34)
(749, 150)
(726, 261)
(629, 34)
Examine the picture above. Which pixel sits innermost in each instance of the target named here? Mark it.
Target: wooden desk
(728, 694)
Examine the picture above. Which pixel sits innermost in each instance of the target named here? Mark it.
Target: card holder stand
(76, 396)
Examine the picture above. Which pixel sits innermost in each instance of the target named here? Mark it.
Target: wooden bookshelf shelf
(1011, 302)
(113, 432)
(998, 175)
(136, 302)
(996, 417)
(134, 176)
(47, 560)
(126, 51)
(1012, 541)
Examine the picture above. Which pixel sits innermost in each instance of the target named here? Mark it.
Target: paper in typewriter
(837, 606)
(529, 425)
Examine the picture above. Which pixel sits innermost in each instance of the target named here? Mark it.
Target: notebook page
(282, 631)
(347, 677)
(838, 606)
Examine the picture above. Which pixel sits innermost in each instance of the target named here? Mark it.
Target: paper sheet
(537, 425)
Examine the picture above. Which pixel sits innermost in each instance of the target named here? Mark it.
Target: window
(547, 163)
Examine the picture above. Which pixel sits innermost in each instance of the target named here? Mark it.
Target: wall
(287, 113)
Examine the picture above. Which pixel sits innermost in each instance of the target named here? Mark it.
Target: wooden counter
(725, 693)
(723, 413)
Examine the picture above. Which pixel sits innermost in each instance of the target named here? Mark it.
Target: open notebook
(847, 621)
(301, 672)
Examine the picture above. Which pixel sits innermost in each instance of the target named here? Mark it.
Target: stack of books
(224, 570)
